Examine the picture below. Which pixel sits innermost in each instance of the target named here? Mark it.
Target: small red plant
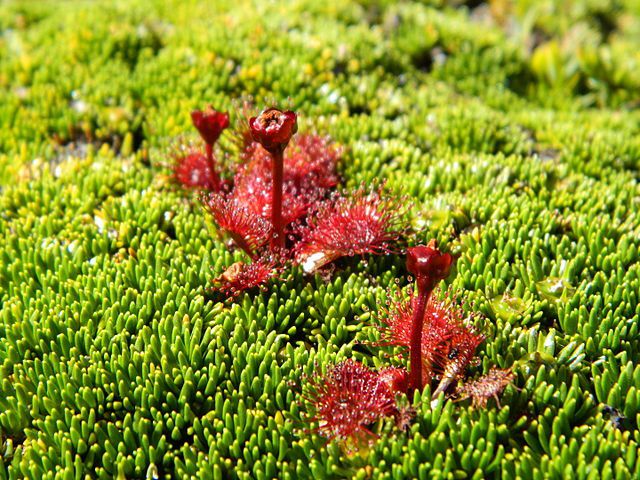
(278, 201)
(348, 399)
(488, 386)
(273, 130)
(363, 223)
(446, 345)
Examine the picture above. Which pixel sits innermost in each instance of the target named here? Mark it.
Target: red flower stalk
(210, 123)
(310, 161)
(429, 266)
(253, 188)
(396, 320)
(363, 223)
(347, 399)
(273, 129)
(248, 230)
(192, 170)
(490, 385)
(244, 276)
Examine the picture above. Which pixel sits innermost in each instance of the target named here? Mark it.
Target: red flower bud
(427, 262)
(210, 123)
(273, 129)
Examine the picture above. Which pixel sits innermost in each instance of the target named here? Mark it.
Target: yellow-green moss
(512, 124)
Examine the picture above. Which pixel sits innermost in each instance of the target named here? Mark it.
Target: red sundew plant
(277, 204)
(441, 343)
(348, 399)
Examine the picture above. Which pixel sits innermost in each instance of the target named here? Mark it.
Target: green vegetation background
(512, 124)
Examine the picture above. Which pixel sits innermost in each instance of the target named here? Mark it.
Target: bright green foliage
(510, 124)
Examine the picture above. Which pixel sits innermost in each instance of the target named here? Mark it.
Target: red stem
(212, 166)
(242, 243)
(415, 348)
(277, 236)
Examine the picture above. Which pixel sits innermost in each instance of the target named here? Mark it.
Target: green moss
(511, 125)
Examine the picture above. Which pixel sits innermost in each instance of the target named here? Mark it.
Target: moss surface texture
(511, 125)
